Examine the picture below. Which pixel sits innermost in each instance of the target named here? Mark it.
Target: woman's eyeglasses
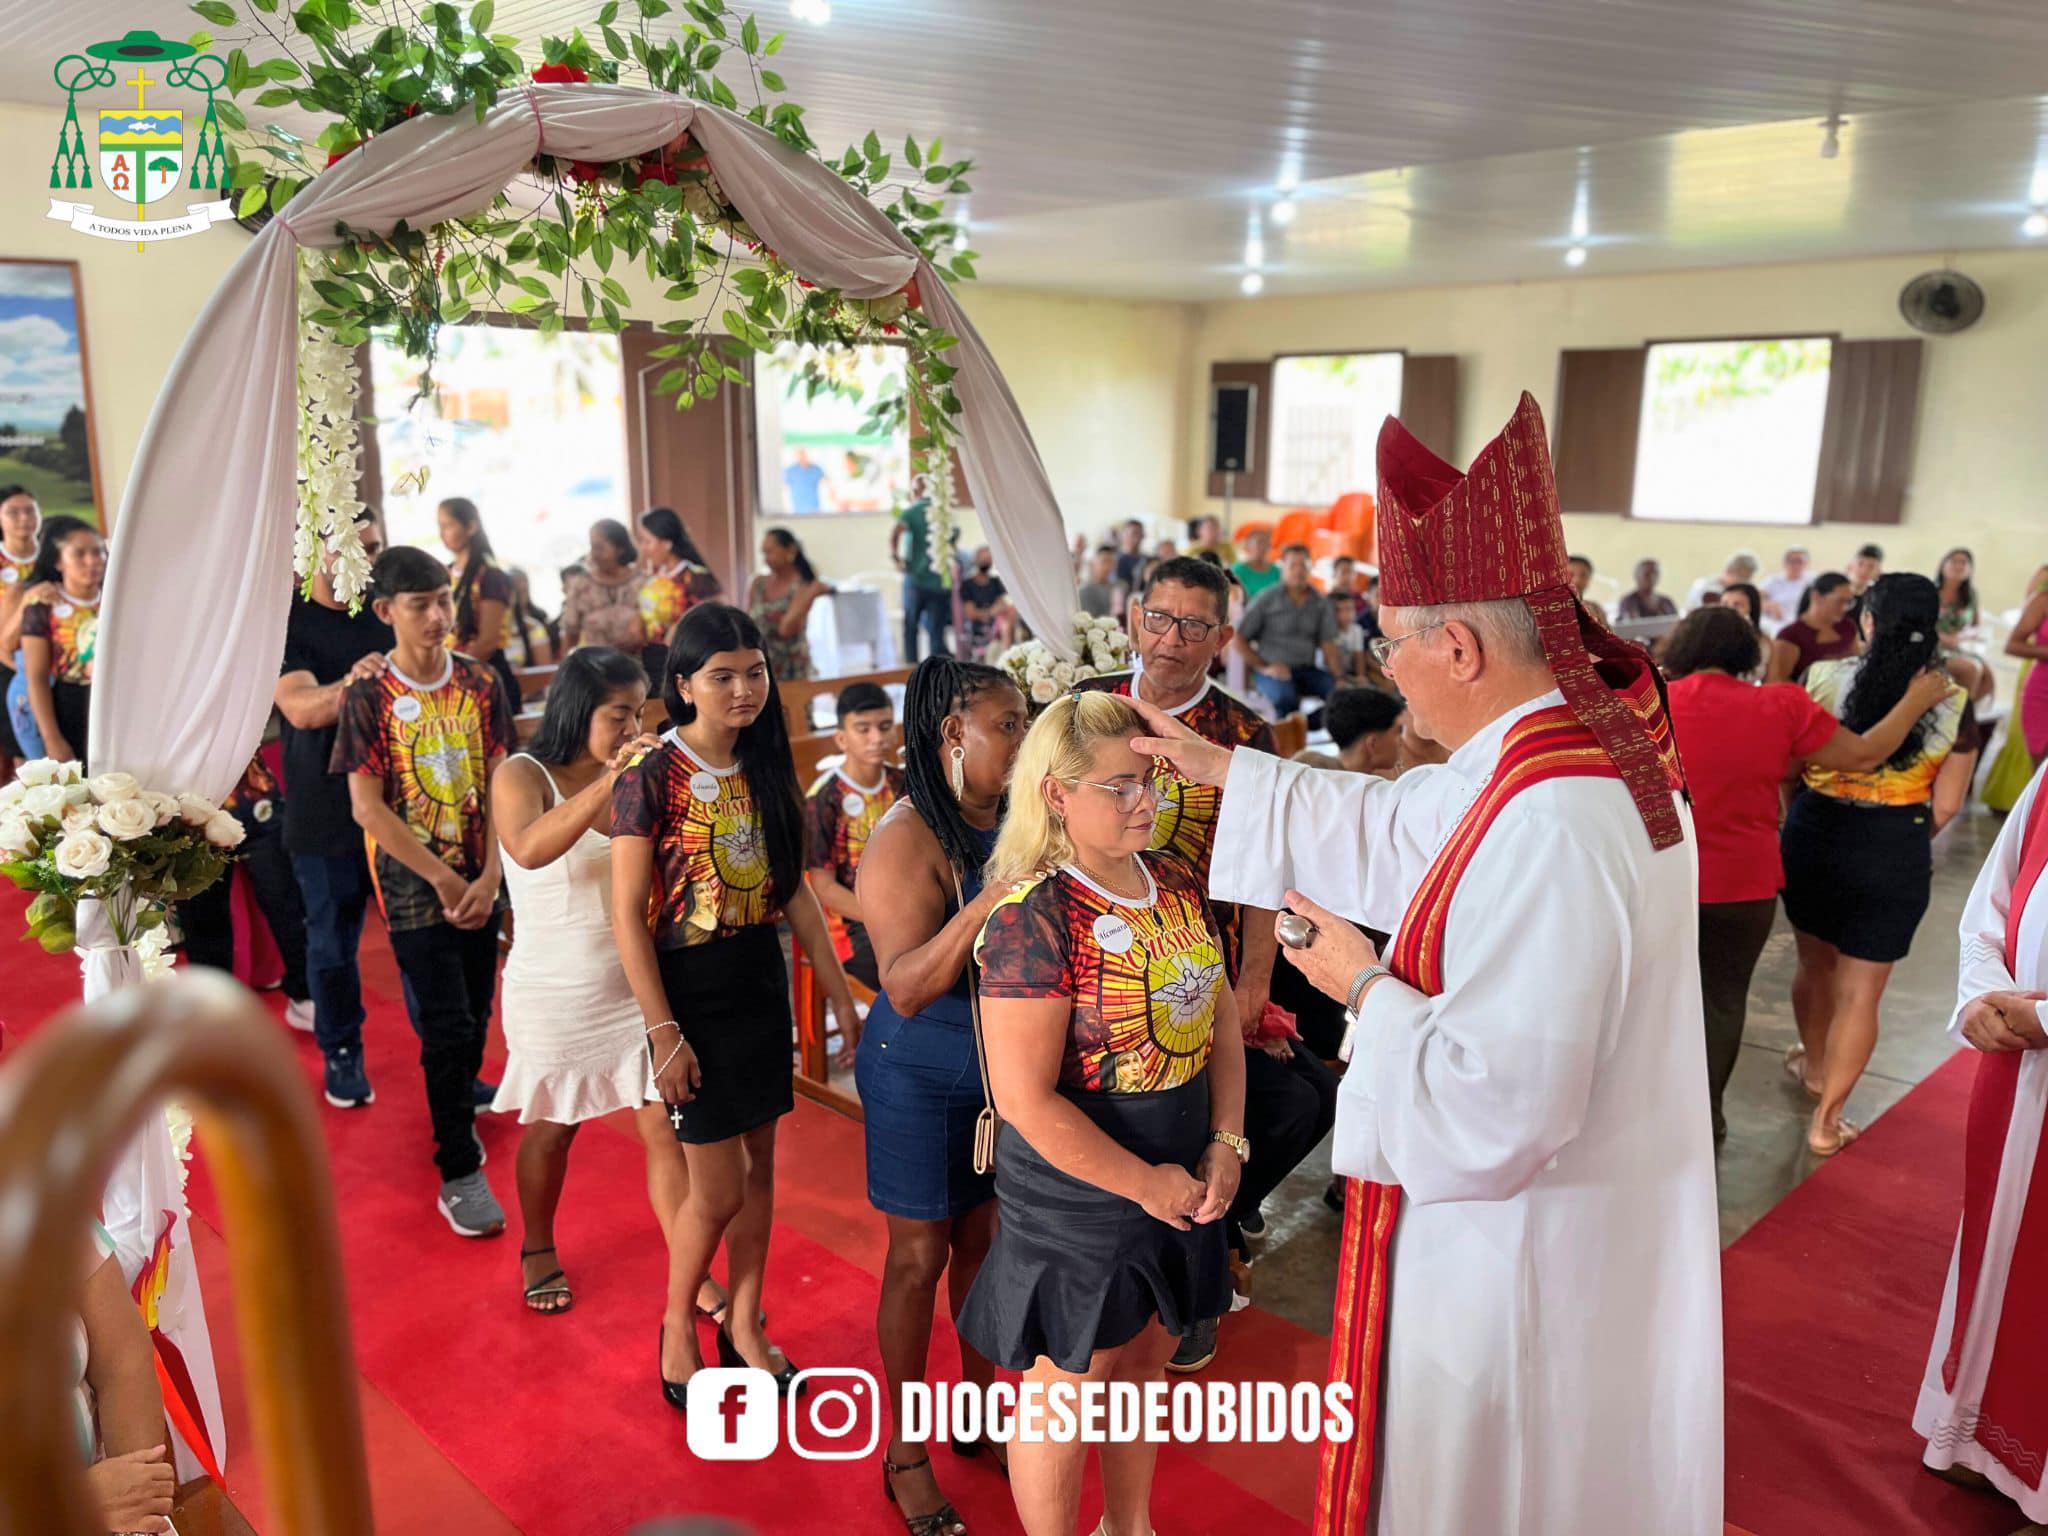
(1194, 631)
(1127, 794)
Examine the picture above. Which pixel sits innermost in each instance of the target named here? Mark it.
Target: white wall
(1980, 466)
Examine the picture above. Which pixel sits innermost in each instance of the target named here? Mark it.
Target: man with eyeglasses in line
(1179, 625)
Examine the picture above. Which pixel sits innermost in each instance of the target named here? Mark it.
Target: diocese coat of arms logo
(141, 154)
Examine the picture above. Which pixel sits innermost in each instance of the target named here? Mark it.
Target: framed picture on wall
(46, 425)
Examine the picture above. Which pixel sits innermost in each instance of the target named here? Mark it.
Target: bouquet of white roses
(67, 837)
(1100, 644)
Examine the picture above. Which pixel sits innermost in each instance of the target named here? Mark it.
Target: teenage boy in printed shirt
(419, 744)
(844, 807)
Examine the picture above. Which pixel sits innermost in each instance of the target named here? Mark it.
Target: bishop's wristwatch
(1235, 1142)
(1359, 983)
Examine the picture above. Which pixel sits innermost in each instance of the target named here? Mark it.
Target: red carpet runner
(1830, 1304)
(485, 1418)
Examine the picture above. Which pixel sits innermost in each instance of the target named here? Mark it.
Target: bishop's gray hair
(1506, 628)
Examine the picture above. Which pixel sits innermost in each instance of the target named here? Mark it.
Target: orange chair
(1243, 530)
(1329, 543)
(1353, 513)
(1296, 527)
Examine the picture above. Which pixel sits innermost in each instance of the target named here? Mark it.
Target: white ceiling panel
(1123, 147)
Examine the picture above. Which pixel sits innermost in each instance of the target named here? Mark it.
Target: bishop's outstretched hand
(1202, 762)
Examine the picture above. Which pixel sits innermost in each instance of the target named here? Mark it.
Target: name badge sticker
(1114, 934)
(703, 785)
(405, 707)
(853, 804)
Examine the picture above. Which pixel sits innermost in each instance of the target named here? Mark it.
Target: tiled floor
(1766, 1153)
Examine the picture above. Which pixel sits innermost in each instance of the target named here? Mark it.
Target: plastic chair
(1244, 530)
(1296, 527)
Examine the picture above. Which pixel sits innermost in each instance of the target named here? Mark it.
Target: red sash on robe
(1549, 744)
(2012, 1417)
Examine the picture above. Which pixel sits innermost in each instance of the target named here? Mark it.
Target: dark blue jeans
(933, 610)
(336, 892)
(1285, 694)
(450, 976)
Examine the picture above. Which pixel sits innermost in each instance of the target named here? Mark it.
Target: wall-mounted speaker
(1231, 409)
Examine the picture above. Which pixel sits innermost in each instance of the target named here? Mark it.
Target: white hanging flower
(150, 946)
(83, 855)
(1043, 691)
(126, 820)
(223, 831)
(329, 384)
(109, 787)
(1063, 674)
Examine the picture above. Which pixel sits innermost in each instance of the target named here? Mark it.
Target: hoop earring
(959, 772)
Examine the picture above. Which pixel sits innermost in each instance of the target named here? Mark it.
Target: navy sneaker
(348, 1085)
(481, 1093)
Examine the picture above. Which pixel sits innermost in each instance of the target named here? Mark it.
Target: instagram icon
(834, 1415)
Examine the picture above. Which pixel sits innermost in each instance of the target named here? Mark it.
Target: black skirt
(731, 997)
(1074, 1268)
(1858, 877)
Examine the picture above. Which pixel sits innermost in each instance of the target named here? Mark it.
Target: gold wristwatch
(1235, 1142)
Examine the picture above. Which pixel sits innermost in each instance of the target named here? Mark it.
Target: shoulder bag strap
(985, 1122)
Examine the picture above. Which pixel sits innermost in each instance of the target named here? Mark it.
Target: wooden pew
(534, 681)
(1290, 735)
(70, 1101)
(797, 697)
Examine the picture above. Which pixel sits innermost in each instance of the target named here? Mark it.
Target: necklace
(1110, 885)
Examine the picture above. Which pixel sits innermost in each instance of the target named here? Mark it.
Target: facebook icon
(734, 1414)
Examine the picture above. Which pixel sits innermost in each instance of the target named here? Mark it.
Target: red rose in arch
(559, 74)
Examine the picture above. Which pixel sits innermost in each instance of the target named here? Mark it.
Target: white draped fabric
(1553, 1361)
(210, 506)
(1949, 1418)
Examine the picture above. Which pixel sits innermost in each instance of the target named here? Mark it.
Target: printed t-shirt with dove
(711, 869)
(1187, 821)
(841, 816)
(667, 595)
(72, 628)
(432, 745)
(1144, 973)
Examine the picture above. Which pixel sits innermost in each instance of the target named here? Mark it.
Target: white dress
(576, 1047)
(1553, 1357)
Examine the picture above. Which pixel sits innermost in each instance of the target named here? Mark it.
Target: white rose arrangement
(67, 838)
(1100, 644)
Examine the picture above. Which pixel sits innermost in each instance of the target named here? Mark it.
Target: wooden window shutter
(1251, 484)
(699, 461)
(1429, 403)
(1593, 433)
(1866, 439)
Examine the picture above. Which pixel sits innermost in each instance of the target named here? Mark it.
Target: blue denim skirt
(920, 1090)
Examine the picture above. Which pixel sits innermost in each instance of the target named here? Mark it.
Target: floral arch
(209, 506)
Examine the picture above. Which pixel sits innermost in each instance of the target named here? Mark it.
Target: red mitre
(1494, 533)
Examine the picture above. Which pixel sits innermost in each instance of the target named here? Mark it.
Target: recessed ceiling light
(1283, 212)
(1251, 285)
(1575, 257)
(2034, 225)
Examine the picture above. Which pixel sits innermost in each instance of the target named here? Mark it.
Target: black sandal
(717, 1314)
(546, 1286)
(943, 1521)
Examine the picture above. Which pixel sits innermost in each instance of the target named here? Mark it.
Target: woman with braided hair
(918, 1066)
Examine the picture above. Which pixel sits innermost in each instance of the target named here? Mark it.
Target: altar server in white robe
(1984, 1403)
(1528, 1302)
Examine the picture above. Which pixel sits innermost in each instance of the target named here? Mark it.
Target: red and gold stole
(2011, 1419)
(1549, 744)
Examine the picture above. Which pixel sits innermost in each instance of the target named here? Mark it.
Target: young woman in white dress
(572, 1029)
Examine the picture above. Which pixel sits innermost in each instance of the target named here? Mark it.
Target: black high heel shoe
(729, 1355)
(675, 1393)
